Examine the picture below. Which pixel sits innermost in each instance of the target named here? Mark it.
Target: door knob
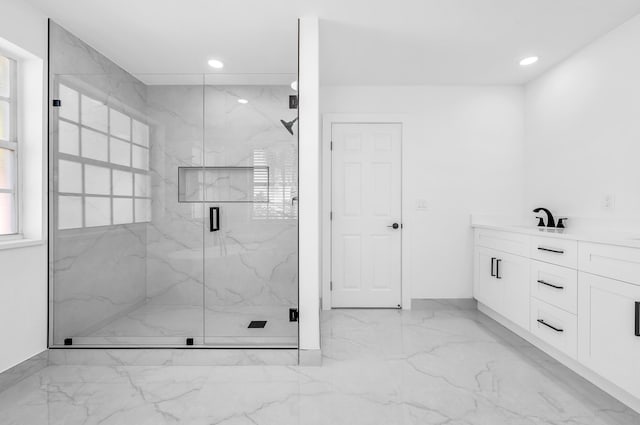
(394, 226)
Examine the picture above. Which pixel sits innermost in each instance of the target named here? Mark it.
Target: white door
(366, 215)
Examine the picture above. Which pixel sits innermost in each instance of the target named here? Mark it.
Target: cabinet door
(487, 289)
(513, 271)
(607, 323)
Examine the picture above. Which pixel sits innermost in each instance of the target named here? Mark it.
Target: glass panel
(97, 180)
(69, 177)
(140, 133)
(143, 210)
(7, 214)
(122, 183)
(94, 114)
(68, 138)
(97, 211)
(5, 120)
(94, 145)
(120, 152)
(120, 125)
(70, 108)
(140, 157)
(5, 77)
(122, 210)
(246, 277)
(69, 212)
(7, 170)
(142, 185)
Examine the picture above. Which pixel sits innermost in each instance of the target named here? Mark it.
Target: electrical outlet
(422, 205)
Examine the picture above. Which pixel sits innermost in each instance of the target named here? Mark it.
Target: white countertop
(631, 240)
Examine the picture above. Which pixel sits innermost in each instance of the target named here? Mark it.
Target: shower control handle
(214, 219)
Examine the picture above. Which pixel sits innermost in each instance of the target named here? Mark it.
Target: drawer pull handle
(493, 273)
(637, 318)
(550, 284)
(542, 322)
(498, 269)
(555, 251)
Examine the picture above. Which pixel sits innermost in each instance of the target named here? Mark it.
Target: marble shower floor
(437, 365)
(167, 324)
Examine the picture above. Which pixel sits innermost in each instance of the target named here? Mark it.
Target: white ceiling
(363, 42)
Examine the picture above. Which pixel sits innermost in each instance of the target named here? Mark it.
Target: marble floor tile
(439, 364)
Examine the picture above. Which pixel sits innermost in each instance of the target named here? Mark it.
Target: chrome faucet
(550, 221)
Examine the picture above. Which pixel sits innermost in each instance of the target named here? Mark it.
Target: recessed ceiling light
(529, 61)
(215, 63)
(294, 85)
(243, 101)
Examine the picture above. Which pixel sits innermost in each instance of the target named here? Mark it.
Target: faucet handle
(540, 221)
(561, 222)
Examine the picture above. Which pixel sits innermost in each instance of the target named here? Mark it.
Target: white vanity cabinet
(609, 324)
(502, 284)
(577, 299)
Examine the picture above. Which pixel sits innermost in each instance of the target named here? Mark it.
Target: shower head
(289, 125)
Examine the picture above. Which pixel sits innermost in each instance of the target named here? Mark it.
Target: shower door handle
(214, 219)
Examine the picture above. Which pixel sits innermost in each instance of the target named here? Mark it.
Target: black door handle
(493, 274)
(498, 268)
(637, 318)
(394, 226)
(550, 285)
(214, 219)
(555, 251)
(542, 322)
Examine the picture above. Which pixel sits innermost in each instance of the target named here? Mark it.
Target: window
(8, 148)
(279, 188)
(103, 164)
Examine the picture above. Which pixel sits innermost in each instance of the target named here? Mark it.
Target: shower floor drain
(257, 324)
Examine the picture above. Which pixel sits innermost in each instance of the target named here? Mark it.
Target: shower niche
(225, 184)
(172, 206)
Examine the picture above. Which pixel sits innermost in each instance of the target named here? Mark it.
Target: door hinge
(331, 285)
(331, 215)
(331, 146)
(293, 314)
(56, 103)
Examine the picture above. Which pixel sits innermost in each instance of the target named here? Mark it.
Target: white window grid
(84, 162)
(11, 144)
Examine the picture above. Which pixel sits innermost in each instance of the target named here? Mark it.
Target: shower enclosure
(173, 206)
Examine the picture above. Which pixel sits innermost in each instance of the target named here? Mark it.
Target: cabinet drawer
(617, 262)
(556, 327)
(562, 252)
(514, 243)
(555, 285)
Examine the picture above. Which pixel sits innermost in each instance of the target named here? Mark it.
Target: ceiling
(363, 42)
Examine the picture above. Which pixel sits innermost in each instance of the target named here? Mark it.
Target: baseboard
(24, 370)
(443, 303)
(605, 385)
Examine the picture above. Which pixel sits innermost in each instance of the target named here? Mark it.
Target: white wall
(23, 282)
(462, 154)
(309, 185)
(583, 130)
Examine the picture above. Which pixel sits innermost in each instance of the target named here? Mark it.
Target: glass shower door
(126, 255)
(251, 232)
